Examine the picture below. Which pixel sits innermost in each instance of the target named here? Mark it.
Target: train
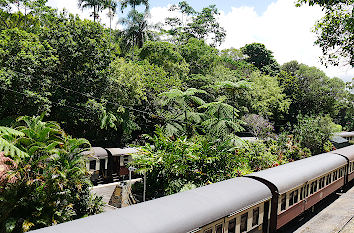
(261, 202)
(108, 164)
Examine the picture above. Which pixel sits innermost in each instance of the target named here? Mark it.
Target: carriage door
(265, 227)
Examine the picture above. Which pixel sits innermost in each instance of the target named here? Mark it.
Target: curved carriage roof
(97, 152)
(181, 212)
(346, 134)
(291, 175)
(124, 151)
(346, 151)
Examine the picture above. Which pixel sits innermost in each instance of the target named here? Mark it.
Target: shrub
(313, 132)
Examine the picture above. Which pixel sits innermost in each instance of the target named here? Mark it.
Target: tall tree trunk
(233, 109)
(94, 13)
(110, 27)
(185, 119)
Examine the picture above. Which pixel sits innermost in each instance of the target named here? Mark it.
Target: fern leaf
(11, 150)
(10, 131)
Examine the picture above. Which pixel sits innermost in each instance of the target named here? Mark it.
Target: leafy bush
(51, 183)
(174, 165)
(290, 149)
(313, 132)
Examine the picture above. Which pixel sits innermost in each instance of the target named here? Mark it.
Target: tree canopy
(335, 31)
(169, 90)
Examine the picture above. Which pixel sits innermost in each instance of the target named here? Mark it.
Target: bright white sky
(282, 27)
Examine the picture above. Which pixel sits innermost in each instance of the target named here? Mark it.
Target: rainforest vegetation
(165, 88)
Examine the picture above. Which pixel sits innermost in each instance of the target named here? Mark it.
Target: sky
(278, 24)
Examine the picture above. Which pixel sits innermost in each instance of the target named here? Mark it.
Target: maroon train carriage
(121, 157)
(260, 202)
(234, 206)
(299, 185)
(348, 153)
(97, 163)
(106, 165)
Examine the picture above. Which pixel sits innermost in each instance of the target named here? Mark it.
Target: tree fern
(10, 131)
(233, 86)
(219, 119)
(7, 138)
(181, 108)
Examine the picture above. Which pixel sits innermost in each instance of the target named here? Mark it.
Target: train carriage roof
(346, 151)
(96, 152)
(123, 151)
(291, 175)
(181, 212)
(345, 134)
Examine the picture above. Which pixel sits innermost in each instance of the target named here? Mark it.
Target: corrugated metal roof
(181, 212)
(97, 152)
(291, 175)
(347, 152)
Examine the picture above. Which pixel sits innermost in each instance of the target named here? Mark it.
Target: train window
(243, 226)
(340, 172)
(320, 183)
(283, 202)
(232, 226)
(313, 187)
(93, 165)
(301, 193)
(335, 173)
(255, 218)
(291, 199)
(209, 231)
(219, 228)
(323, 181)
(327, 180)
(307, 190)
(296, 195)
(126, 159)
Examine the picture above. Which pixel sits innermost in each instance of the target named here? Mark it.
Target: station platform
(338, 217)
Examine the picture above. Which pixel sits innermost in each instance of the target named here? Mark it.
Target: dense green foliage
(47, 183)
(174, 165)
(314, 132)
(170, 82)
(335, 31)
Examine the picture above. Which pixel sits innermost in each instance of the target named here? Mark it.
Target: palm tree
(137, 26)
(111, 5)
(97, 6)
(181, 104)
(133, 3)
(136, 32)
